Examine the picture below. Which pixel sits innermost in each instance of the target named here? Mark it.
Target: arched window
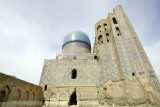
(95, 57)
(107, 34)
(74, 57)
(43, 102)
(118, 31)
(114, 20)
(74, 74)
(100, 36)
(45, 88)
(100, 40)
(104, 24)
(99, 26)
(133, 74)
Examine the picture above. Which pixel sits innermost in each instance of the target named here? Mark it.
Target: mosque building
(117, 72)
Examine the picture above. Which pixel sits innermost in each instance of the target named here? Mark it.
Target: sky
(33, 30)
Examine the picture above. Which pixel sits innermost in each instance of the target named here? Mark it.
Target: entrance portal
(73, 99)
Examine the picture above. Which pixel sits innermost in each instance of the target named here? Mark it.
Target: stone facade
(117, 73)
(18, 93)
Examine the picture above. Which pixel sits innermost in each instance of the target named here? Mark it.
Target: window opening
(95, 57)
(133, 74)
(45, 88)
(99, 37)
(105, 88)
(117, 28)
(43, 102)
(104, 24)
(118, 31)
(98, 27)
(74, 57)
(74, 74)
(114, 20)
(107, 34)
(107, 40)
(100, 40)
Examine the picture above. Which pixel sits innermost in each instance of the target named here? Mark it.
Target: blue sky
(33, 30)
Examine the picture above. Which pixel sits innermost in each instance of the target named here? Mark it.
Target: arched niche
(63, 97)
(25, 96)
(53, 97)
(32, 96)
(16, 94)
(4, 93)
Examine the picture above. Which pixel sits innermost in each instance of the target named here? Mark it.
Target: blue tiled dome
(76, 35)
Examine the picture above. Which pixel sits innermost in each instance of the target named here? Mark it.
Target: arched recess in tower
(114, 20)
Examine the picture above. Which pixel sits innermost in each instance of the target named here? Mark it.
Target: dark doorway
(2, 96)
(73, 99)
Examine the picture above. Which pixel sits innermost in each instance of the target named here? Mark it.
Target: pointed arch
(63, 97)
(53, 97)
(73, 98)
(32, 96)
(4, 92)
(25, 96)
(16, 95)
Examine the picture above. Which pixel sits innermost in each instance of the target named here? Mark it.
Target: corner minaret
(122, 57)
(141, 62)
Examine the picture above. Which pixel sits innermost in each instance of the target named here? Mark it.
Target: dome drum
(76, 47)
(76, 43)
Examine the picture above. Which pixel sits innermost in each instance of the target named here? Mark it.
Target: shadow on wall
(16, 92)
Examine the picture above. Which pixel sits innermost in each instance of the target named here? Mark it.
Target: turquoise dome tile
(76, 35)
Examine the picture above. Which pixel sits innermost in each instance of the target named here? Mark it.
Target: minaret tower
(122, 57)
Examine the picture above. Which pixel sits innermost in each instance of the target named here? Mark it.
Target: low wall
(16, 92)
